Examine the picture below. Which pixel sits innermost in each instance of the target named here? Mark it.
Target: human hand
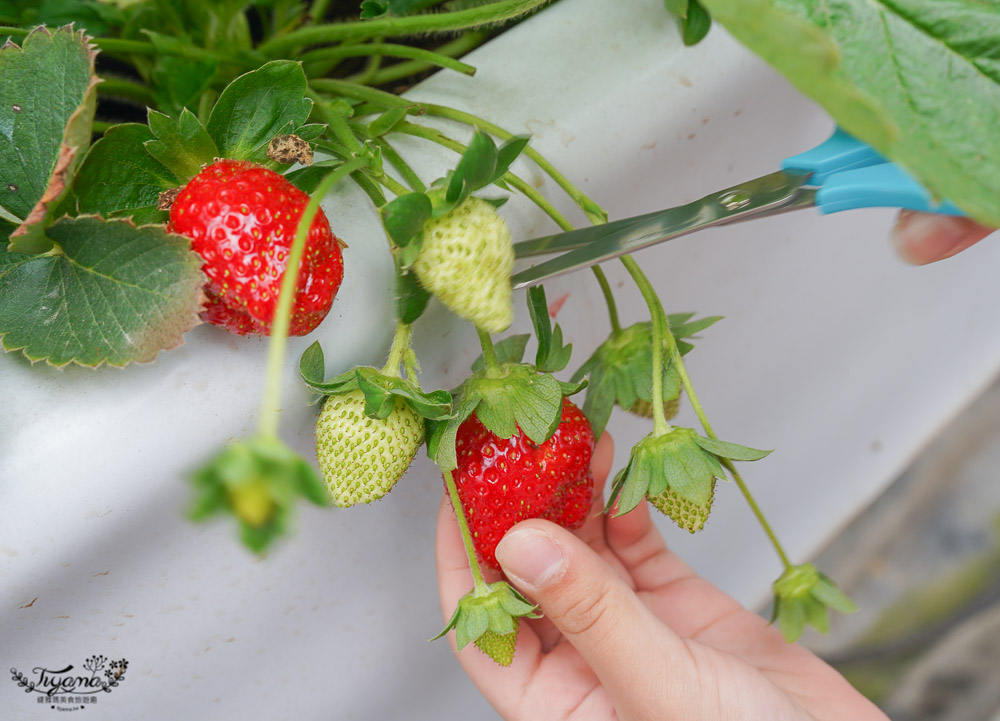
(923, 238)
(631, 632)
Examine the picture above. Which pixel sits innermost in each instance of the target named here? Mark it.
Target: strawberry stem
(396, 26)
(400, 344)
(661, 321)
(489, 352)
(481, 588)
(267, 424)
(609, 299)
(425, 58)
(660, 424)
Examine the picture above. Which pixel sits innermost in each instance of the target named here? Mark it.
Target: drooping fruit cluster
(241, 219)
(503, 481)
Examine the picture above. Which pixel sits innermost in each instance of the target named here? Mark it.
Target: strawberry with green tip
(361, 458)
(465, 260)
(241, 219)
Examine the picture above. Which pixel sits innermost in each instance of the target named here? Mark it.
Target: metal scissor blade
(587, 246)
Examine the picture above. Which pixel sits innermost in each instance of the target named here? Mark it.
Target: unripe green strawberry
(498, 646)
(466, 260)
(361, 458)
(689, 516)
(645, 408)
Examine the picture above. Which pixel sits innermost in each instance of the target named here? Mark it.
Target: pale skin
(630, 631)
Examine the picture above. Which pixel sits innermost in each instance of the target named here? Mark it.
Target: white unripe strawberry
(466, 261)
(361, 458)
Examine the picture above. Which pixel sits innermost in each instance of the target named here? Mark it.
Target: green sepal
(509, 350)
(385, 122)
(475, 168)
(569, 389)
(507, 154)
(803, 596)
(183, 146)
(441, 445)
(732, 451)
(678, 8)
(308, 179)
(673, 460)
(381, 392)
(492, 610)
(695, 24)
(312, 369)
(521, 398)
(411, 297)
(257, 481)
(551, 356)
(404, 217)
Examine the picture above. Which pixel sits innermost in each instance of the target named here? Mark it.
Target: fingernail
(922, 238)
(530, 558)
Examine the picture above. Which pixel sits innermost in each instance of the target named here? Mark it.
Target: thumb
(923, 238)
(628, 648)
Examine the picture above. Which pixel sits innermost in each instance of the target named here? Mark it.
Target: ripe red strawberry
(503, 481)
(241, 219)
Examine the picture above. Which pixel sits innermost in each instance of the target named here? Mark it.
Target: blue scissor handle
(851, 174)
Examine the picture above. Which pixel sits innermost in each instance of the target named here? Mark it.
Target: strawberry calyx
(381, 388)
(257, 481)
(680, 462)
(442, 212)
(488, 617)
(620, 370)
(803, 596)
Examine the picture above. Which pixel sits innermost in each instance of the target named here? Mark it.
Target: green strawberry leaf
(509, 350)
(257, 106)
(50, 94)
(119, 178)
(114, 294)
(551, 356)
(475, 168)
(404, 217)
(890, 73)
(733, 451)
(569, 389)
(183, 146)
(178, 82)
(411, 297)
(695, 24)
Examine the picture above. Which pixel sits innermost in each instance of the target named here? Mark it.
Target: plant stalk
(660, 425)
(463, 526)
(267, 425)
(400, 343)
(397, 26)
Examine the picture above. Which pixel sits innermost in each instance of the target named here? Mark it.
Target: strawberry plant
(163, 165)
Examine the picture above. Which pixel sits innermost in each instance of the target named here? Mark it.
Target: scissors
(842, 173)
